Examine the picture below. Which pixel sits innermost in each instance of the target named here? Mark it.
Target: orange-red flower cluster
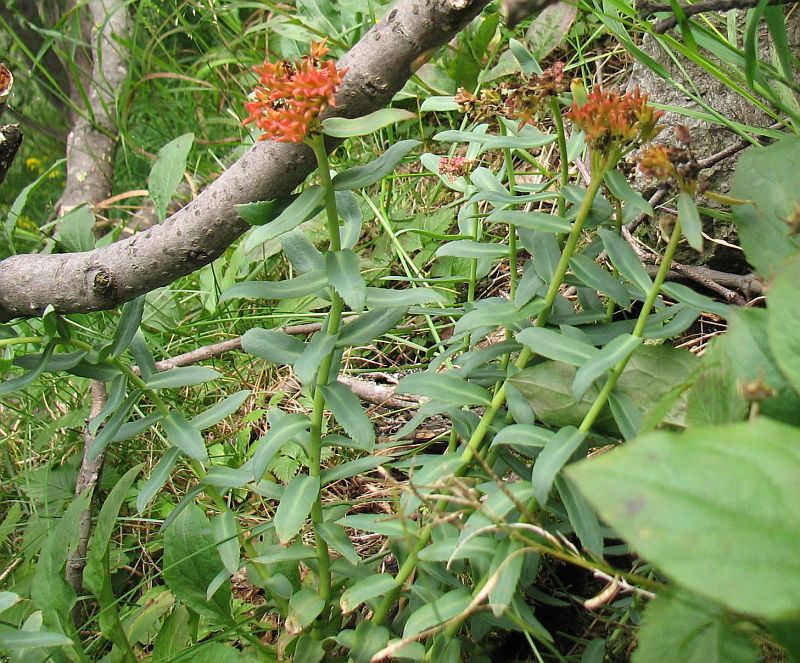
(455, 167)
(610, 119)
(290, 96)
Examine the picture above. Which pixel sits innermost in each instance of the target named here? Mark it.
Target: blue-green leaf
(625, 260)
(158, 477)
(182, 376)
(294, 507)
(300, 286)
(184, 436)
(531, 220)
(274, 346)
(340, 127)
(689, 219)
(371, 325)
(553, 457)
(551, 344)
(617, 350)
(286, 429)
(361, 176)
(344, 274)
(305, 206)
(347, 410)
(224, 408)
(443, 387)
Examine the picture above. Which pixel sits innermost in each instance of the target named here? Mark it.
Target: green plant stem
(410, 563)
(19, 340)
(508, 156)
(327, 370)
(608, 387)
(561, 137)
(614, 271)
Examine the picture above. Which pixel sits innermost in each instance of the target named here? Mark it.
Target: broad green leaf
(439, 103)
(351, 468)
(496, 312)
(783, 317)
(127, 326)
(591, 274)
(368, 640)
(443, 387)
(8, 599)
(657, 492)
(191, 563)
(167, 172)
(625, 260)
(526, 60)
(304, 607)
(224, 408)
(300, 286)
(686, 295)
(347, 410)
(381, 298)
(216, 652)
(683, 629)
(467, 248)
(158, 477)
(278, 553)
(609, 356)
(365, 589)
(581, 516)
(505, 568)
(441, 610)
(113, 425)
(523, 436)
(301, 252)
(551, 344)
(173, 637)
(553, 457)
(302, 208)
(361, 176)
(142, 355)
(223, 476)
(531, 220)
(335, 536)
(371, 325)
(626, 414)
(340, 127)
(622, 190)
(274, 346)
(344, 274)
(182, 376)
(115, 394)
(75, 230)
(287, 428)
(766, 178)
(14, 640)
(385, 524)
(261, 212)
(689, 218)
(294, 507)
(133, 428)
(226, 536)
(95, 574)
(184, 436)
(307, 364)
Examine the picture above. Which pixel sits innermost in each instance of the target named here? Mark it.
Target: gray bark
(378, 66)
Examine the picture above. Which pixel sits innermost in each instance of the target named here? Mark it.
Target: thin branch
(649, 8)
(378, 66)
(88, 476)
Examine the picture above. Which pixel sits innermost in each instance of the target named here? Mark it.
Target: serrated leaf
(167, 172)
(347, 410)
(261, 212)
(657, 494)
(443, 387)
(300, 286)
(344, 274)
(293, 509)
(340, 127)
(553, 457)
(613, 353)
(184, 436)
(182, 376)
(361, 176)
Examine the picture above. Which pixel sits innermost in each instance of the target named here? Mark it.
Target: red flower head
(290, 96)
(613, 120)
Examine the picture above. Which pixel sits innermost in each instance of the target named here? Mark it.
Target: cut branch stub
(378, 66)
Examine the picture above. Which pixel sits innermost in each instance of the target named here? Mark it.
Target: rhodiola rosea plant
(473, 531)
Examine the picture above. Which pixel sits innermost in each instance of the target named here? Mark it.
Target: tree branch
(648, 8)
(378, 66)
